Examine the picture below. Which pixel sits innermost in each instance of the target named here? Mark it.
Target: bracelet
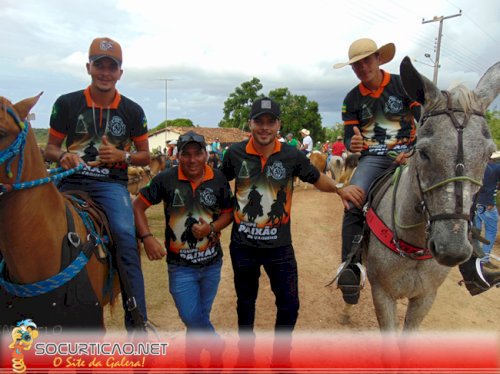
(146, 236)
(61, 156)
(213, 233)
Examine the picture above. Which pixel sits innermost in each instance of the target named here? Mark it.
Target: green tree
(493, 120)
(237, 106)
(181, 122)
(337, 130)
(178, 122)
(297, 113)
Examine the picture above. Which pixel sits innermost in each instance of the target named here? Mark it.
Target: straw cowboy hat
(305, 132)
(362, 48)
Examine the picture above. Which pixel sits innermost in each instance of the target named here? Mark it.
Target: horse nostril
(432, 247)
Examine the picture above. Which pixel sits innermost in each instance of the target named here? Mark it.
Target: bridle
(16, 148)
(459, 177)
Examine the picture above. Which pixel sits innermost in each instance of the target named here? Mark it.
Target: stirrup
(150, 326)
(362, 271)
(351, 283)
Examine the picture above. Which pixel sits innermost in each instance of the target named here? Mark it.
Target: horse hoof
(345, 319)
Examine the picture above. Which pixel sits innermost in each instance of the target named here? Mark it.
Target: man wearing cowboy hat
(378, 122)
(307, 142)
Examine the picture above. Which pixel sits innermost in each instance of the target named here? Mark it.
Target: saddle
(94, 219)
(360, 242)
(379, 228)
(57, 300)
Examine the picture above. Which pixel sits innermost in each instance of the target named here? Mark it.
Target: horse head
(452, 149)
(13, 135)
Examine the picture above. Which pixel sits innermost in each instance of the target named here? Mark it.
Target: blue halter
(17, 148)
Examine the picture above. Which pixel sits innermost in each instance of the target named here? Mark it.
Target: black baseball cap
(265, 106)
(190, 137)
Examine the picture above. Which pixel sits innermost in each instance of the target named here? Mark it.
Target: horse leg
(418, 307)
(385, 309)
(345, 316)
(386, 312)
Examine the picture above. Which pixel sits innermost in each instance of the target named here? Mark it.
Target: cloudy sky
(209, 47)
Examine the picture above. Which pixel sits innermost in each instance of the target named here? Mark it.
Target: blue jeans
(281, 268)
(369, 168)
(488, 218)
(114, 199)
(193, 290)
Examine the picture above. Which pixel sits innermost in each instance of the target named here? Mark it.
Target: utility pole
(438, 47)
(166, 80)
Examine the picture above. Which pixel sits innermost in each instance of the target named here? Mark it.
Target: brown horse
(139, 177)
(37, 223)
(351, 163)
(318, 160)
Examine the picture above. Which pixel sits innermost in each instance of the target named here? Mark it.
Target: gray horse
(430, 207)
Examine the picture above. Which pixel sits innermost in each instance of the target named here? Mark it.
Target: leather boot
(477, 277)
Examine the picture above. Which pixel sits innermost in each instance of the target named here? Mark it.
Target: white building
(159, 139)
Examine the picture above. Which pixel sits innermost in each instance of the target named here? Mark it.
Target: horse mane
(465, 97)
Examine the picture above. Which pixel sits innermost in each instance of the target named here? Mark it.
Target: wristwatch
(128, 158)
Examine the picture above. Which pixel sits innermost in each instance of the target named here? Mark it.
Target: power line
(477, 25)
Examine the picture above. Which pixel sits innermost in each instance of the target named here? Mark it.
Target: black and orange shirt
(184, 205)
(263, 192)
(77, 119)
(385, 117)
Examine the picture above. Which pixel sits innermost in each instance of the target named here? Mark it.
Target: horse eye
(423, 155)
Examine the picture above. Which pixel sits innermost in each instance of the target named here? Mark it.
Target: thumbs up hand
(201, 230)
(108, 153)
(356, 141)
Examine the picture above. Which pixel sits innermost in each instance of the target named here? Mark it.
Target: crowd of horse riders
(98, 127)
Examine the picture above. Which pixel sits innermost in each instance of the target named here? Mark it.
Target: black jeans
(281, 267)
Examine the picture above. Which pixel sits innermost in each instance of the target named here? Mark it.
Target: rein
(17, 148)
(459, 177)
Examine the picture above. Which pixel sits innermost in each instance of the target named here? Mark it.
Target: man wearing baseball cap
(264, 170)
(99, 126)
(379, 122)
(198, 205)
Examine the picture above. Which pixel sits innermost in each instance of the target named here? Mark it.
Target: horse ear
(488, 87)
(418, 87)
(24, 106)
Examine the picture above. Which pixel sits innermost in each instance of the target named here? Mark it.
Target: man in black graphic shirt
(198, 204)
(264, 167)
(379, 122)
(100, 124)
